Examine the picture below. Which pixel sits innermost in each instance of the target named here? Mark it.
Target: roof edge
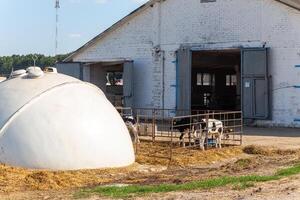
(111, 28)
(295, 4)
(291, 3)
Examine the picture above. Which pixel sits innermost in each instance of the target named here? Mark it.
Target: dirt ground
(278, 137)
(285, 189)
(187, 165)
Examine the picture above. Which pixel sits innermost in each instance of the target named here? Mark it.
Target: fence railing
(158, 126)
(125, 111)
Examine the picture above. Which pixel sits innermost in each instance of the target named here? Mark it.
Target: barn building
(201, 54)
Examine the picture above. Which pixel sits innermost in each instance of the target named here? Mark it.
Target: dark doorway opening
(216, 80)
(110, 79)
(115, 79)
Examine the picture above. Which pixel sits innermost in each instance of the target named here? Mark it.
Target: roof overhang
(109, 62)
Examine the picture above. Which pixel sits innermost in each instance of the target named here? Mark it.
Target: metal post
(242, 129)
(153, 125)
(171, 143)
(138, 129)
(207, 129)
(234, 132)
(57, 6)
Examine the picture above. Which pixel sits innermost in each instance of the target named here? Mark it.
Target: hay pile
(146, 168)
(158, 154)
(242, 164)
(14, 179)
(268, 151)
(198, 157)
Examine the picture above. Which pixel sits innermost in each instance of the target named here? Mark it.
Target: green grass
(238, 183)
(289, 171)
(243, 186)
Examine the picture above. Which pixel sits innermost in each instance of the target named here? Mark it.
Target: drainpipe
(163, 78)
(159, 53)
(162, 54)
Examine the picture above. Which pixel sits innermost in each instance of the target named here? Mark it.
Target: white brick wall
(223, 24)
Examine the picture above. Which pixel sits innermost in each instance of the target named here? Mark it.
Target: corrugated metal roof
(291, 3)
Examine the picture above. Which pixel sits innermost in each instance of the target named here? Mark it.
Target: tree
(7, 63)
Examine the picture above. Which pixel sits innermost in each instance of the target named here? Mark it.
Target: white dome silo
(60, 123)
(2, 79)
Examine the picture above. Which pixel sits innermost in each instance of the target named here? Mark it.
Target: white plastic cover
(60, 123)
(2, 79)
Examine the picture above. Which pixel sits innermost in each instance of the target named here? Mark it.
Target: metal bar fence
(158, 126)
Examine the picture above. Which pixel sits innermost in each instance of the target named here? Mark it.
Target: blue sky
(28, 26)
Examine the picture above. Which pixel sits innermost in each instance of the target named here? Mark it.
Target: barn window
(205, 79)
(231, 80)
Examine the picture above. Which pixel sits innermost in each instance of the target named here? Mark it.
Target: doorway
(115, 79)
(232, 79)
(216, 80)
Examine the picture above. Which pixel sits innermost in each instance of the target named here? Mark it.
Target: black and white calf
(187, 128)
(199, 131)
(132, 128)
(215, 130)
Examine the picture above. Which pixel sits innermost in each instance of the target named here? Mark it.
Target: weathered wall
(281, 31)
(221, 24)
(71, 69)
